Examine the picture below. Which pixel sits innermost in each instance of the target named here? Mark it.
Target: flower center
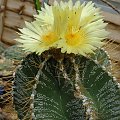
(49, 38)
(73, 39)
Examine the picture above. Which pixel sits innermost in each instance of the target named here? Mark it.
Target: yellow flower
(84, 30)
(74, 28)
(39, 35)
(37, 39)
(45, 17)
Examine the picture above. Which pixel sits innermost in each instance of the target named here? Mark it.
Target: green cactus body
(24, 82)
(14, 52)
(57, 86)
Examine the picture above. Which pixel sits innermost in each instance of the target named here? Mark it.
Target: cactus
(61, 86)
(14, 52)
(10, 58)
(6, 64)
(65, 87)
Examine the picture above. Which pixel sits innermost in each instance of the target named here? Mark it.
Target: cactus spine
(57, 86)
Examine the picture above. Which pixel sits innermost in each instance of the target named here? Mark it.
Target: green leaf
(24, 82)
(101, 87)
(37, 4)
(54, 99)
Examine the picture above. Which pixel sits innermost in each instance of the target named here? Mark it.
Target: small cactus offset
(67, 75)
(14, 53)
(9, 59)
